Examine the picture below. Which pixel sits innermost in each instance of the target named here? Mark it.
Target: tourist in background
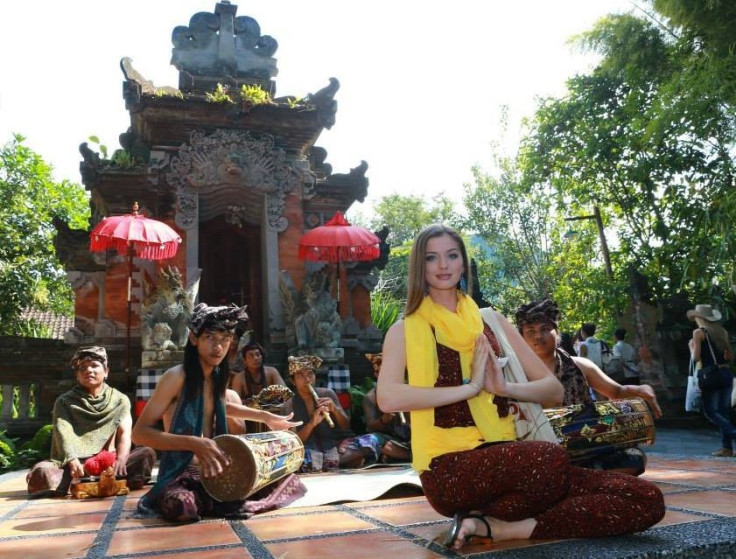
(625, 354)
(710, 345)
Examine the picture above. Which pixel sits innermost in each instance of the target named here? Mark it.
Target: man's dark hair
(194, 376)
(619, 333)
(543, 310)
(588, 328)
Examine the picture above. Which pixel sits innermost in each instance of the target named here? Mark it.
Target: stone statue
(311, 316)
(166, 311)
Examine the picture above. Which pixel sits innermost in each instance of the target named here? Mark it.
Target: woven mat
(354, 485)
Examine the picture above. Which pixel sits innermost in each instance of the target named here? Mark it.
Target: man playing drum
(537, 323)
(192, 401)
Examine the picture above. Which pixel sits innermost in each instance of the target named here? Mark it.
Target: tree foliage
(30, 274)
(629, 138)
(405, 216)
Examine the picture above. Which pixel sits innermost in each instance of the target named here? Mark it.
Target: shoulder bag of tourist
(530, 421)
(714, 376)
(693, 396)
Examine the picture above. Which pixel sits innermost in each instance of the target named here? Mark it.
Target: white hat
(706, 312)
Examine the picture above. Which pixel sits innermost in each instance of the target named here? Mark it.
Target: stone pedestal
(161, 359)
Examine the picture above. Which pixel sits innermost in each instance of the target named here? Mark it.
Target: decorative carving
(325, 102)
(312, 321)
(234, 159)
(144, 85)
(72, 248)
(219, 44)
(165, 313)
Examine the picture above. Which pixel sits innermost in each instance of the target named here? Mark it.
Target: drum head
(235, 483)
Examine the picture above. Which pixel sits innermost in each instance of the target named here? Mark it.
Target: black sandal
(457, 521)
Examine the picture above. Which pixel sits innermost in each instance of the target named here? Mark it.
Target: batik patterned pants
(519, 480)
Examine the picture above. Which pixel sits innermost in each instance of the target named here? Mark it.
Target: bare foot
(470, 527)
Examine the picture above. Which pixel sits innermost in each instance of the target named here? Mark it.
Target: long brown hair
(417, 285)
(717, 333)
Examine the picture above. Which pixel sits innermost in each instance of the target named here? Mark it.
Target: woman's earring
(463, 284)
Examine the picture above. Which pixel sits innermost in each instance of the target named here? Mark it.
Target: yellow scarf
(457, 331)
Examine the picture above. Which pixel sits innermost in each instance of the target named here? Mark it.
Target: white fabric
(531, 422)
(353, 485)
(693, 397)
(594, 350)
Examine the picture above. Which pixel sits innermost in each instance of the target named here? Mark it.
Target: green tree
(526, 251)
(631, 139)
(405, 216)
(30, 274)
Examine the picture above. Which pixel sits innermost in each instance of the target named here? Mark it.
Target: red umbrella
(134, 235)
(338, 241)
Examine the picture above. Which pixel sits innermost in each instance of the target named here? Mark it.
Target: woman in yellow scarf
(463, 438)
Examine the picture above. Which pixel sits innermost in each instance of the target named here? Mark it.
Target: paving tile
(134, 522)
(720, 502)
(58, 547)
(687, 464)
(13, 495)
(51, 524)
(667, 488)
(679, 517)
(229, 553)
(72, 507)
(172, 537)
(691, 477)
(400, 514)
(307, 525)
(354, 546)
(296, 510)
(386, 503)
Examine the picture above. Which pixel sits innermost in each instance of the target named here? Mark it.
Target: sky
(422, 84)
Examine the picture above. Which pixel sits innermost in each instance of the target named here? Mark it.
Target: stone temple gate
(235, 170)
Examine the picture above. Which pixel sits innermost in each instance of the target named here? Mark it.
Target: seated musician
(537, 323)
(255, 376)
(391, 430)
(251, 378)
(192, 401)
(91, 424)
(326, 447)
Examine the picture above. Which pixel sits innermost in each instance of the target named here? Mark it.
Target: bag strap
(707, 338)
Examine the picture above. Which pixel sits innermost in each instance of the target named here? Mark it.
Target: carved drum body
(257, 459)
(587, 430)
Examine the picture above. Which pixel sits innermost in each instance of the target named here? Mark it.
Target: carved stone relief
(212, 165)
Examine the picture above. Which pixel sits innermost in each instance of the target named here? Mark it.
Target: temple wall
(361, 299)
(289, 240)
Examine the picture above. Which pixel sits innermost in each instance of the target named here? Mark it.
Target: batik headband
(217, 318)
(97, 353)
(306, 363)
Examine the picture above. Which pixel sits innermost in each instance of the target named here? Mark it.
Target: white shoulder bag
(531, 422)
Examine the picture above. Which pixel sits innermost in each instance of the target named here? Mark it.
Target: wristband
(473, 384)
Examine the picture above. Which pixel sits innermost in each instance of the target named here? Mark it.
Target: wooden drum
(587, 430)
(256, 459)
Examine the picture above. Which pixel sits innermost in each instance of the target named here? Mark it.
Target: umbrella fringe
(339, 254)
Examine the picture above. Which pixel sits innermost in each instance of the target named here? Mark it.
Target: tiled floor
(701, 511)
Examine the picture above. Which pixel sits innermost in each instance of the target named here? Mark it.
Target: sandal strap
(482, 518)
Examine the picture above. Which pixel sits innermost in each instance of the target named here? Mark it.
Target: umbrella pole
(130, 285)
(338, 288)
